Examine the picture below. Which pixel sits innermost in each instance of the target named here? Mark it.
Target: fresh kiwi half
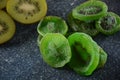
(27, 11)
(3, 3)
(7, 27)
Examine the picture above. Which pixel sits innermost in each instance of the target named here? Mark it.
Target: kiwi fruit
(55, 49)
(39, 39)
(27, 11)
(3, 3)
(103, 58)
(7, 27)
(52, 24)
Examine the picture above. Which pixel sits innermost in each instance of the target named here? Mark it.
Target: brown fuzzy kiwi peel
(7, 27)
(27, 11)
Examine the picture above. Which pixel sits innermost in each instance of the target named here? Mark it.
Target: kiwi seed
(3, 28)
(31, 7)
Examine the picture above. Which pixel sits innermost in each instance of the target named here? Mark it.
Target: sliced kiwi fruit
(3, 3)
(52, 24)
(27, 11)
(55, 49)
(39, 39)
(103, 58)
(7, 27)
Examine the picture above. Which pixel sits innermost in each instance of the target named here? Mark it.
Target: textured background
(20, 58)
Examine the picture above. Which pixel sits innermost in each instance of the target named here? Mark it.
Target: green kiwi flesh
(7, 27)
(55, 49)
(52, 24)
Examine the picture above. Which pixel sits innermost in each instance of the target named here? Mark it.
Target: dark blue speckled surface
(20, 58)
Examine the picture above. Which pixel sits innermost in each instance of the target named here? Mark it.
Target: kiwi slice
(3, 3)
(55, 49)
(39, 39)
(7, 27)
(85, 53)
(27, 11)
(103, 58)
(52, 24)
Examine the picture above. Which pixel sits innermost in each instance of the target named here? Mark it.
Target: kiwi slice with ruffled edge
(3, 3)
(7, 27)
(27, 11)
(103, 58)
(108, 24)
(81, 26)
(55, 49)
(39, 39)
(52, 24)
(85, 54)
(90, 10)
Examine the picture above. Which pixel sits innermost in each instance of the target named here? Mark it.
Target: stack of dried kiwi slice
(23, 11)
(51, 24)
(79, 51)
(91, 17)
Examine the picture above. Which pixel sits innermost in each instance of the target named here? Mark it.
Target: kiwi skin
(7, 35)
(24, 16)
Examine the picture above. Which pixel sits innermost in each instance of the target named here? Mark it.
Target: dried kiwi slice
(3, 3)
(52, 24)
(85, 53)
(108, 24)
(81, 26)
(55, 49)
(27, 11)
(103, 58)
(39, 39)
(90, 10)
(7, 27)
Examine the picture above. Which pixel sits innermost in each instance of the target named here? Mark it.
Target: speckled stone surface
(20, 58)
